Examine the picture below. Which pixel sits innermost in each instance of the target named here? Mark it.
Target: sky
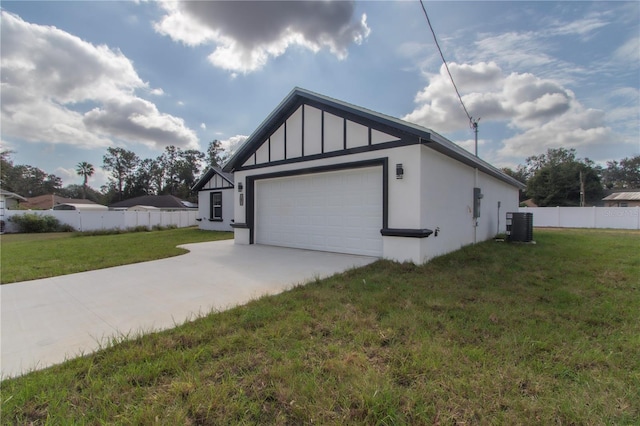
(81, 76)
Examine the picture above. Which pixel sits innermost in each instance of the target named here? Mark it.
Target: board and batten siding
(216, 184)
(310, 131)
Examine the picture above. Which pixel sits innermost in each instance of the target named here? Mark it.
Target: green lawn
(31, 256)
(495, 333)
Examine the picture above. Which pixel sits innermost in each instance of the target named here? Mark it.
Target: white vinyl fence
(100, 220)
(585, 217)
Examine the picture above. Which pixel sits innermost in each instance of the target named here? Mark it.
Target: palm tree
(85, 170)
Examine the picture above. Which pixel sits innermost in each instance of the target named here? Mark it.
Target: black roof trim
(209, 174)
(299, 96)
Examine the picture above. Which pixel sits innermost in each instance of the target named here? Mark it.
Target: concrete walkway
(49, 320)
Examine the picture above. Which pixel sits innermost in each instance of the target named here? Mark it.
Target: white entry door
(337, 211)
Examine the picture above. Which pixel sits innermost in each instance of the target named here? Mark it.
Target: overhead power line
(473, 123)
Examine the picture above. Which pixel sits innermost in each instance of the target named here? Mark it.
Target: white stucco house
(215, 200)
(8, 201)
(322, 174)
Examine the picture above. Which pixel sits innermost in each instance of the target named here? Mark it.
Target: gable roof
(48, 201)
(8, 194)
(80, 206)
(160, 201)
(209, 174)
(422, 135)
(623, 196)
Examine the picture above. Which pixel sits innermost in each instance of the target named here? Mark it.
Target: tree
(30, 181)
(26, 180)
(622, 175)
(180, 170)
(86, 170)
(556, 178)
(122, 164)
(215, 154)
(78, 191)
(189, 168)
(6, 165)
(521, 174)
(157, 175)
(143, 182)
(169, 162)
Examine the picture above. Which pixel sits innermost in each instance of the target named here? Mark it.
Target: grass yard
(495, 333)
(31, 256)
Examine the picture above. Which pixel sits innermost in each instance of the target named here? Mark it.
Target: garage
(326, 175)
(338, 211)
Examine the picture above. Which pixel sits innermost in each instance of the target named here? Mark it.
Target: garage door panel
(334, 211)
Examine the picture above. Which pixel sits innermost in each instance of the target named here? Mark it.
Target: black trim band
(378, 162)
(411, 233)
(331, 154)
(218, 188)
(240, 225)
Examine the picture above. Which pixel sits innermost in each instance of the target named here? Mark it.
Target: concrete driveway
(49, 320)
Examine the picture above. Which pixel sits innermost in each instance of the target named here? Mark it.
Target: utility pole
(581, 190)
(474, 124)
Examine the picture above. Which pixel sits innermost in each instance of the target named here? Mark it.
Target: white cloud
(470, 144)
(50, 79)
(6, 146)
(539, 105)
(629, 52)
(135, 119)
(439, 107)
(582, 27)
(233, 143)
(542, 112)
(203, 126)
(537, 50)
(574, 129)
(517, 50)
(68, 175)
(246, 34)
(625, 113)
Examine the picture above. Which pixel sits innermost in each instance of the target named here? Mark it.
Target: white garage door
(334, 211)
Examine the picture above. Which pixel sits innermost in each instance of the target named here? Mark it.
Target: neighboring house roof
(529, 203)
(80, 206)
(189, 204)
(13, 195)
(48, 201)
(142, 208)
(623, 196)
(421, 134)
(209, 174)
(160, 201)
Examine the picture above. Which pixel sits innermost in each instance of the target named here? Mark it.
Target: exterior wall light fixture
(399, 171)
(240, 187)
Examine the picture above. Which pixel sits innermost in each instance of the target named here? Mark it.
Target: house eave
(208, 175)
(412, 132)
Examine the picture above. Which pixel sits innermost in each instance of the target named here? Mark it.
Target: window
(215, 212)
